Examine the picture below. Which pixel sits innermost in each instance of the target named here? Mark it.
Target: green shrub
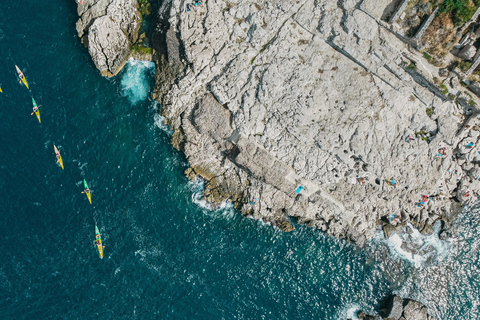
(144, 7)
(411, 66)
(422, 134)
(461, 10)
(451, 96)
(471, 102)
(427, 56)
(464, 65)
(444, 88)
(429, 111)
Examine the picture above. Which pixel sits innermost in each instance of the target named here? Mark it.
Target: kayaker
(35, 109)
(86, 191)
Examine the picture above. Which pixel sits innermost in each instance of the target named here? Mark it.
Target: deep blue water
(167, 256)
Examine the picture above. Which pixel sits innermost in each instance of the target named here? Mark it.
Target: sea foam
(417, 248)
(135, 82)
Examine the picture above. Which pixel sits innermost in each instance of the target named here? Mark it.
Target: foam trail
(135, 80)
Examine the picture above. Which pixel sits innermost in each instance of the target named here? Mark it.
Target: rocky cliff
(108, 28)
(313, 109)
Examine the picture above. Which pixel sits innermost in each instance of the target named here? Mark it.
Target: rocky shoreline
(397, 308)
(308, 110)
(314, 97)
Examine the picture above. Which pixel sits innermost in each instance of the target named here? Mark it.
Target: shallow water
(167, 254)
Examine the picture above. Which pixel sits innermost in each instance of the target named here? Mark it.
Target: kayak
(36, 112)
(99, 247)
(60, 161)
(22, 76)
(89, 196)
(1, 90)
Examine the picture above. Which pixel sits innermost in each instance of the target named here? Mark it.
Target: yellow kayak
(98, 242)
(37, 112)
(1, 90)
(87, 191)
(60, 161)
(38, 116)
(22, 76)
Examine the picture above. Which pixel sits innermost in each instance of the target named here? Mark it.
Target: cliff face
(320, 94)
(108, 28)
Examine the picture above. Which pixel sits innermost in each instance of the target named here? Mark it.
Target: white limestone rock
(108, 28)
(317, 95)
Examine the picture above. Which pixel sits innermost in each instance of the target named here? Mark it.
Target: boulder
(414, 310)
(108, 28)
(467, 52)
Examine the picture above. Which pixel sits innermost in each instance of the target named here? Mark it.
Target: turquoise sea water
(167, 255)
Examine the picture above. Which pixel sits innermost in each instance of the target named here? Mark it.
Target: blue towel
(299, 189)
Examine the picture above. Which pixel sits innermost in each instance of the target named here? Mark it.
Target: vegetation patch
(429, 111)
(461, 10)
(144, 7)
(444, 88)
(451, 96)
(141, 49)
(427, 56)
(422, 134)
(464, 65)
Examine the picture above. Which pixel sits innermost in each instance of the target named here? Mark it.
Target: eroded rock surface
(315, 93)
(108, 28)
(397, 308)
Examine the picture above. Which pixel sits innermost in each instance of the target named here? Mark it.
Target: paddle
(34, 111)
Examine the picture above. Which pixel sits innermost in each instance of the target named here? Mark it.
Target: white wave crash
(136, 80)
(419, 249)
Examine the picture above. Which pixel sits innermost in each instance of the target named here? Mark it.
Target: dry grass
(440, 35)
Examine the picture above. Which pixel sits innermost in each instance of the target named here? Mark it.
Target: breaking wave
(136, 80)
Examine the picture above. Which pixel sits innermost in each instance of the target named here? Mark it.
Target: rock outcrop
(108, 28)
(397, 308)
(311, 109)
